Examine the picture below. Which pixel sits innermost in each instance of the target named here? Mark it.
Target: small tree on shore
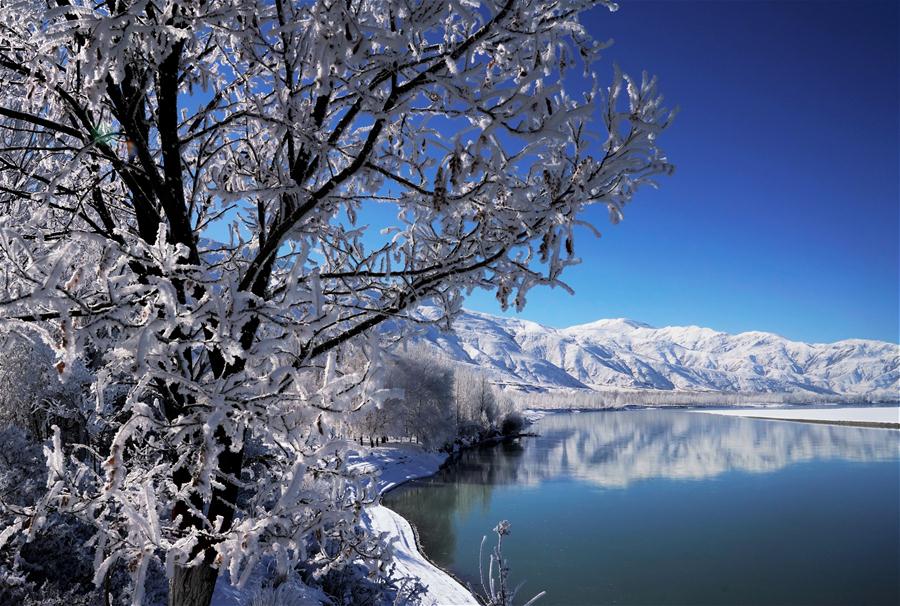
(355, 158)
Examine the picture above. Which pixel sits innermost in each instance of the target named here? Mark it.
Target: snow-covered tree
(475, 397)
(422, 405)
(31, 395)
(212, 204)
(425, 407)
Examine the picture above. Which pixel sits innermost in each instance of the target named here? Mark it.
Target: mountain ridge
(625, 354)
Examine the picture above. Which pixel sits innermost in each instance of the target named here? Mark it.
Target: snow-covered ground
(397, 465)
(876, 416)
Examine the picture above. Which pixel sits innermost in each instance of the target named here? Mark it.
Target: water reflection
(613, 449)
(763, 532)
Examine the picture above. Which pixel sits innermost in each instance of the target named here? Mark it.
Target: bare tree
(424, 409)
(475, 396)
(362, 156)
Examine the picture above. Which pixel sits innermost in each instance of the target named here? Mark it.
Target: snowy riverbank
(399, 464)
(870, 416)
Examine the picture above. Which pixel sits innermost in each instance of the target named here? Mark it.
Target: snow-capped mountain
(623, 354)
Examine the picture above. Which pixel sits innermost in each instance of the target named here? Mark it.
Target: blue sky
(783, 213)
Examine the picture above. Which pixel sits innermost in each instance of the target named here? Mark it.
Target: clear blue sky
(783, 213)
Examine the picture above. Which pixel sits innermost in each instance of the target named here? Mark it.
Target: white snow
(256, 593)
(533, 416)
(879, 414)
(399, 464)
(623, 354)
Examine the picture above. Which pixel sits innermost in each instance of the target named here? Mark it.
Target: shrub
(512, 424)
(496, 589)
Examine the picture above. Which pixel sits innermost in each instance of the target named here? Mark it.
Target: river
(671, 507)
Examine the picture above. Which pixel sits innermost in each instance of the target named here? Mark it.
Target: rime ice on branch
(363, 156)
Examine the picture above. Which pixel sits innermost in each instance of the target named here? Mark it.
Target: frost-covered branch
(219, 206)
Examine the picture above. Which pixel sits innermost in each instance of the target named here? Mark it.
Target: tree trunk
(192, 586)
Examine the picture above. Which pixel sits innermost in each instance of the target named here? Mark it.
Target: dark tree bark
(193, 586)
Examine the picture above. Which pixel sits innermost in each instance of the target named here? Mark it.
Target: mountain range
(621, 354)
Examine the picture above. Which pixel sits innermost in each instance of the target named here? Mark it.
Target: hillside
(623, 354)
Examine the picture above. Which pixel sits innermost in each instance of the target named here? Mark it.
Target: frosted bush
(495, 582)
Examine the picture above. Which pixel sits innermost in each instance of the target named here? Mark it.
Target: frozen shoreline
(887, 417)
(398, 464)
(395, 465)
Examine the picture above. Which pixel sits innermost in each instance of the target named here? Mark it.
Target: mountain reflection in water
(613, 449)
(616, 448)
(640, 495)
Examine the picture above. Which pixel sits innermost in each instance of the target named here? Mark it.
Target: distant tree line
(590, 399)
(436, 404)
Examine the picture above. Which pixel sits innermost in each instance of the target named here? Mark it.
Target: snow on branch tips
(212, 212)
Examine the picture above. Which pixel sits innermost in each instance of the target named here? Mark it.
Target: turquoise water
(673, 507)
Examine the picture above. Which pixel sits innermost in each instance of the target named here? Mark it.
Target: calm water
(674, 507)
